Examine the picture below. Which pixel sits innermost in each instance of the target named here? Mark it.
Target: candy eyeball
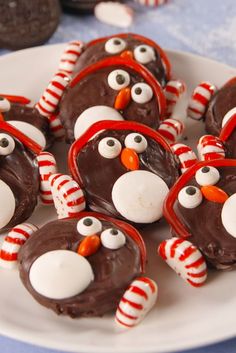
(5, 105)
(89, 226)
(144, 54)
(109, 147)
(118, 79)
(136, 142)
(113, 238)
(190, 197)
(7, 144)
(141, 93)
(115, 45)
(207, 176)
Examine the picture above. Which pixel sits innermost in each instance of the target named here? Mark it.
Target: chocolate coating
(99, 174)
(230, 146)
(96, 52)
(205, 225)
(113, 270)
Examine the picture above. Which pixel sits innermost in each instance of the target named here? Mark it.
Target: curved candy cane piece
(173, 91)
(136, 302)
(67, 195)
(13, 242)
(200, 98)
(210, 147)
(171, 129)
(47, 166)
(185, 259)
(185, 155)
(70, 56)
(56, 127)
(48, 103)
(151, 3)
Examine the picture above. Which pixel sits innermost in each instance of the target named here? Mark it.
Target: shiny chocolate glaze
(230, 146)
(94, 90)
(98, 174)
(20, 172)
(205, 225)
(96, 52)
(113, 270)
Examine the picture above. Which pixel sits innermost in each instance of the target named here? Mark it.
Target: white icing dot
(228, 215)
(139, 195)
(207, 176)
(118, 79)
(109, 147)
(5, 105)
(7, 204)
(30, 131)
(141, 93)
(190, 197)
(112, 239)
(144, 54)
(60, 274)
(89, 226)
(137, 142)
(115, 45)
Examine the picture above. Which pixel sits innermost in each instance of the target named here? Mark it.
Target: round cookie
(26, 23)
(62, 272)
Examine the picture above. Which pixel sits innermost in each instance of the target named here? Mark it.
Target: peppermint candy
(13, 242)
(136, 302)
(48, 103)
(173, 91)
(185, 155)
(171, 129)
(185, 259)
(67, 195)
(47, 166)
(200, 98)
(210, 147)
(152, 3)
(70, 56)
(56, 127)
(230, 114)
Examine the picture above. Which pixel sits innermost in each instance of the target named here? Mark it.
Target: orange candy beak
(1, 117)
(122, 98)
(214, 194)
(127, 54)
(89, 245)
(130, 159)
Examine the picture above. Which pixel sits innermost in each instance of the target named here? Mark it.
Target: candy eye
(7, 145)
(118, 79)
(113, 238)
(89, 226)
(190, 197)
(207, 176)
(5, 105)
(137, 142)
(109, 147)
(144, 54)
(115, 45)
(141, 93)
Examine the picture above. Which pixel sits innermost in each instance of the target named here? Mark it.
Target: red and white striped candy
(136, 302)
(173, 91)
(210, 147)
(48, 103)
(185, 259)
(67, 195)
(47, 165)
(70, 56)
(152, 3)
(171, 129)
(199, 101)
(230, 114)
(13, 242)
(187, 157)
(56, 127)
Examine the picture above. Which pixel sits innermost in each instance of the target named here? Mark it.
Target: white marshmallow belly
(30, 131)
(139, 195)
(228, 215)
(8, 204)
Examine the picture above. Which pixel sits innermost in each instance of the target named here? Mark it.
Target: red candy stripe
(210, 147)
(200, 99)
(185, 154)
(56, 127)
(171, 129)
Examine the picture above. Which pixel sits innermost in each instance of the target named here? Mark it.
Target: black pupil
(143, 50)
(111, 143)
(191, 190)
(138, 90)
(138, 139)
(205, 169)
(4, 142)
(88, 222)
(1, 98)
(117, 42)
(114, 231)
(120, 79)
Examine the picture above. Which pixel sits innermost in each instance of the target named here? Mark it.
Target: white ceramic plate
(184, 317)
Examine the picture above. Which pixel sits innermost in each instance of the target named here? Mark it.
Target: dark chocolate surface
(99, 174)
(97, 52)
(94, 90)
(113, 270)
(205, 225)
(230, 145)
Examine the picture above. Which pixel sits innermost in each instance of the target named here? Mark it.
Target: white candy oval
(91, 229)
(7, 205)
(145, 95)
(30, 131)
(60, 274)
(139, 195)
(113, 239)
(207, 176)
(228, 215)
(93, 115)
(113, 47)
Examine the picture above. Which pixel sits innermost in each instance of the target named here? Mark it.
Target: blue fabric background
(205, 27)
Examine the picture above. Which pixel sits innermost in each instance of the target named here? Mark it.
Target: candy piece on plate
(47, 166)
(185, 155)
(152, 3)
(200, 99)
(114, 13)
(171, 129)
(56, 127)
(173, 90)
(70, 56)
(210, 147)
